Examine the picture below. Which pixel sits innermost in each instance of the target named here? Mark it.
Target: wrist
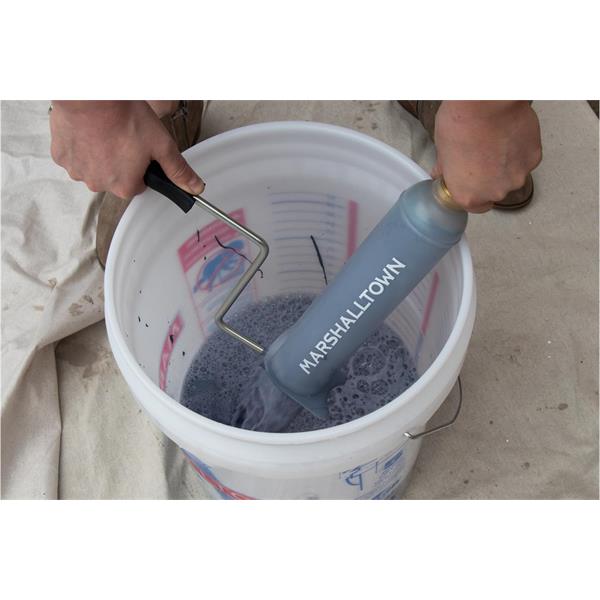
(162, 108)
(89, 106)
(101, 114)
(484, 109)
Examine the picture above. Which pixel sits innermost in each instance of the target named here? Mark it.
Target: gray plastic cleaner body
(304, 361)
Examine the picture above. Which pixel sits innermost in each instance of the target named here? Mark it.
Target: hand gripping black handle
(156, 179)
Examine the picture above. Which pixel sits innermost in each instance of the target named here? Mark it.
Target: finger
(178, 171)
(128, 189)
(469, 201)
(479, 208)
(436, 171)
(94, 186)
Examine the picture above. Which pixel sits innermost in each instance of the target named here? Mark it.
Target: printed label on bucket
(213, 260)
(429, 304)
(377, 478)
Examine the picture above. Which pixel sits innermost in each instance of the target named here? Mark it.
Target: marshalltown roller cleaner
(305, 362)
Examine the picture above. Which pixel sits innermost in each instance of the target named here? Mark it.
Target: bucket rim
(126, 360)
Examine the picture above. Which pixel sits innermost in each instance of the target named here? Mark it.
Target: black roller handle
(156, 179)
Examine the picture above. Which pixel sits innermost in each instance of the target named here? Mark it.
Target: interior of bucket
(175, 269)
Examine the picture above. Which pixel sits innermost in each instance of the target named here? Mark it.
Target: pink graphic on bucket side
(206, 473)
(433, 289)
(203, 241)
(212, 261)
(352, 228)
(430, 301)
(165, 356)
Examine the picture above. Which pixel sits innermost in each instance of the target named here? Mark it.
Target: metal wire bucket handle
(416, 436)
(156, 179)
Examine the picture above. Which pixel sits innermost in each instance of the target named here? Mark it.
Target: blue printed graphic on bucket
(378, 478)
(207, 474)
(212, 260)
(225, 266)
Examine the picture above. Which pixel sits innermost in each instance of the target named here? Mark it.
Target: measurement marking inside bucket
(321, 221)
(430, 301)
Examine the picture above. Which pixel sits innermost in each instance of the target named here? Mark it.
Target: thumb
(179, 171)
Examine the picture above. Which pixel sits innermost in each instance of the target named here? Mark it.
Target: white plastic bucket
(286, 181)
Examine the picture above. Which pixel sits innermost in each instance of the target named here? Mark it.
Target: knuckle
(498, 195)
(57, 154)
(94, 186)
(127, 190)
(470, 202)
(139, 188)
(179, 167)
(519, 180)
(110, 181)
(536, 157)
(74, 174)
(122, 191)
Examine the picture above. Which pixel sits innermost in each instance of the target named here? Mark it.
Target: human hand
(485, 150)
(109, 145)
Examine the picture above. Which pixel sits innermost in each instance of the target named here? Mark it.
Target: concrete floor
(529, 425)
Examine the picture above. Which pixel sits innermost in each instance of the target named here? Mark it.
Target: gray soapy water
(224, 376)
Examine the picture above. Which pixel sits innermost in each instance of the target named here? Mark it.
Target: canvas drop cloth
(529, 426)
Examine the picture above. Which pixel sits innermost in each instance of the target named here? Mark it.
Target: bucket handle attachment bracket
(416, 436)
